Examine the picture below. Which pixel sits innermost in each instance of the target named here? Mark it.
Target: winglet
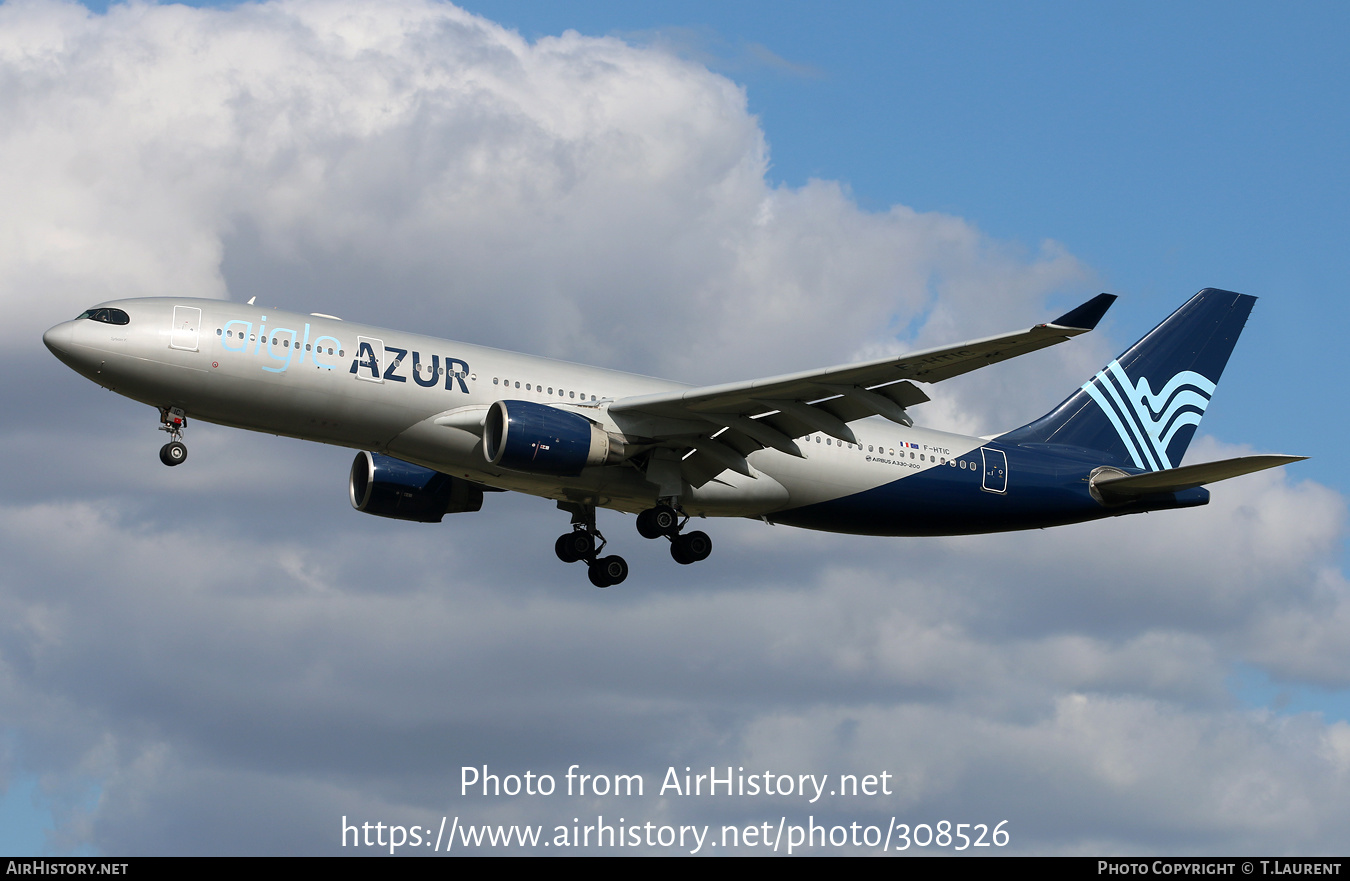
(1086, 316)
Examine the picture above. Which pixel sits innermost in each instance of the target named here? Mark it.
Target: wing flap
(700, 468)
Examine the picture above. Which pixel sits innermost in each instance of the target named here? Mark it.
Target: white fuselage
(322, 379)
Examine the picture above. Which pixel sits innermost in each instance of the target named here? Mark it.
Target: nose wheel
(585, 542)
(173, 420)
(173, 453)
(665, 520)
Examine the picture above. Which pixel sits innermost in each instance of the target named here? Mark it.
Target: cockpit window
(107, 316)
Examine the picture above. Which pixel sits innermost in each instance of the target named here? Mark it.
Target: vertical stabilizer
(1143, 408)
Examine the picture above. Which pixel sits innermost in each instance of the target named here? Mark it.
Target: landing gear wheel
(586, 543)
(562, 548)
(173, 453)
(645, 527)
(692, 547)
(573, 546)
(658, 521)
(608, 571)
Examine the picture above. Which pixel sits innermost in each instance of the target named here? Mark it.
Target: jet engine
(525, 436)
(389, 487)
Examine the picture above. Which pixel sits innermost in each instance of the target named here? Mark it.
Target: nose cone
(61, 340)
(58, 339)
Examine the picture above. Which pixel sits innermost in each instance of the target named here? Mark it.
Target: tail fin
(1118, 413)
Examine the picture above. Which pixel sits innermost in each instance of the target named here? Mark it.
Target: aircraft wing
(725, 423)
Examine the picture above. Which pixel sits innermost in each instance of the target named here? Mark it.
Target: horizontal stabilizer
(1116, 487)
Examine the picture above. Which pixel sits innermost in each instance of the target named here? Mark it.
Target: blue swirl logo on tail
(1146, 420)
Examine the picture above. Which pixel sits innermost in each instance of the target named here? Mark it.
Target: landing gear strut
(174, 421)
(665, 519)
(585, 542)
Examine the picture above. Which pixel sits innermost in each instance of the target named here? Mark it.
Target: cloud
(595, 187)
(224, 658)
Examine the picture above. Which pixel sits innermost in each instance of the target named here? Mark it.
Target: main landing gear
(685, 547)
(174, 421)
(585, 542)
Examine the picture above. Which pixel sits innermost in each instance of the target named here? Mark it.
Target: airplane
(439, 423)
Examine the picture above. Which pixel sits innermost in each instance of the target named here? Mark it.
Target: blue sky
(1163, 147)
(1170, 146)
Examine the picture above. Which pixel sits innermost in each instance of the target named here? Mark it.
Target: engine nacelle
(389, 487)
(525, 436)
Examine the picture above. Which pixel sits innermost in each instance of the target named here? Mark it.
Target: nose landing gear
(174, 421)
(685, 547)
(585, 542)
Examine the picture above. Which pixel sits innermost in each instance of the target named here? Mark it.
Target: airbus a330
(438, 423)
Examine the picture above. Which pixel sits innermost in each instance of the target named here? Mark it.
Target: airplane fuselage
(322, 379)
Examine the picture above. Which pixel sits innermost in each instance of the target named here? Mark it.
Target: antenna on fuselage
(250, 300)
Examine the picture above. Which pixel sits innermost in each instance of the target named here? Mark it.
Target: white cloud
(610, 193)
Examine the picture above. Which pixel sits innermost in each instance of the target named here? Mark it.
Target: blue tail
(1119, 413)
